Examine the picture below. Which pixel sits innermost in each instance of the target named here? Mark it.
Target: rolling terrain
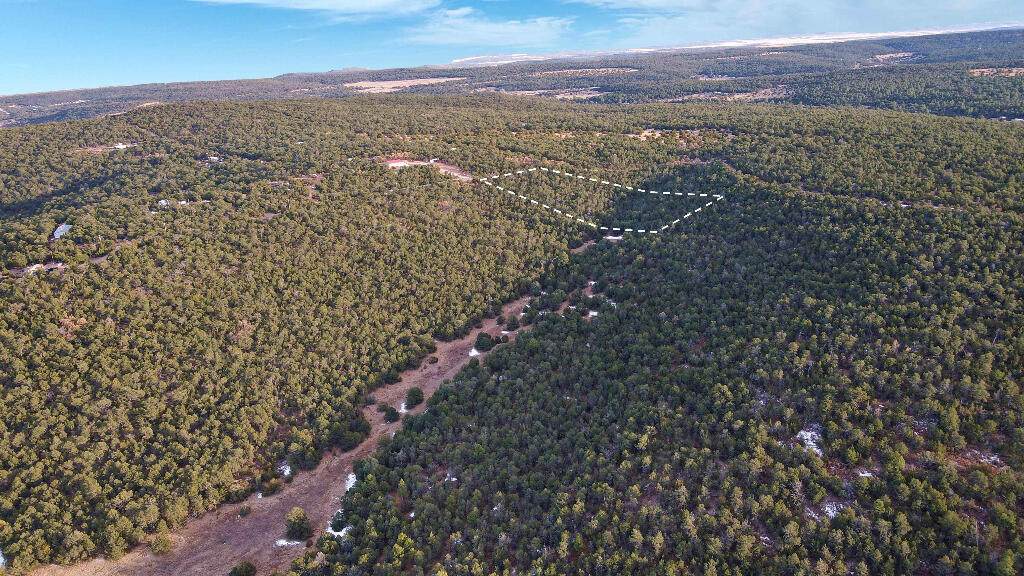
(936, 74)
(205, 302)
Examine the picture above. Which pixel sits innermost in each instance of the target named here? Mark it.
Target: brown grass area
(997, 72)
(577, 72)
(386, 86)
(217, 541)
(557, 94)
(892, 56)
(764, 94)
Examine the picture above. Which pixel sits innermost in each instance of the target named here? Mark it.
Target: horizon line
(467, 62)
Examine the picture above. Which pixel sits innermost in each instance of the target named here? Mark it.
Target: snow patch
(593, 313)
(832, 509)
(282, 543)
(3, 561)
(811, 439)
(865, 474)
(337, 533)
(986, 457)
(412, 514)
(449, 478)
(350, 481)
(285, 470)
(259, 495)
(402, 409)
(474, 352)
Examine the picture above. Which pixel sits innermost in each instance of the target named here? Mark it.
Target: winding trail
(220, 539)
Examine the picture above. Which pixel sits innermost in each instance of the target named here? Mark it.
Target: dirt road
(214, 543)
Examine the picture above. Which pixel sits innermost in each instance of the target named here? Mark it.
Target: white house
(61, 230)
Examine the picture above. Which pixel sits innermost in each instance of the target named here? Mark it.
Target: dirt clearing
(442, 167)
(220, 539)
(997, 72)
(387, 86)
(577, 72)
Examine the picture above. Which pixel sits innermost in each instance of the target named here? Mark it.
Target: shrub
(484, 342)
(161, 543)
(391, 415)
(243, 569)
(297, 524)
(414, 397)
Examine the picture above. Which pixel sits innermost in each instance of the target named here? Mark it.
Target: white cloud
(468, 27)
(689, 22)
(383, 7)
(648, 5)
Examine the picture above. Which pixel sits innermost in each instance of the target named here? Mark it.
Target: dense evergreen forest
(801, 382)
(820, 374)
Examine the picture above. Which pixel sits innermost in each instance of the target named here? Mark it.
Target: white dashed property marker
(571, 217)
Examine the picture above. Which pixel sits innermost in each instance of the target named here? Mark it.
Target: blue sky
(59, 44)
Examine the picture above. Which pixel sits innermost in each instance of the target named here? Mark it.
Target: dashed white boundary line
(492, 182)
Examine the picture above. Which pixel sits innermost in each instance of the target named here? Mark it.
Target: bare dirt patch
(97, 150)
(442, 167)
(893, 56)
(997, 72)
(387, 86)
(578, 72)
(648, 134)
(220, 539)
(558, 94)
(118, 244)
(758, 95)
(35, 268)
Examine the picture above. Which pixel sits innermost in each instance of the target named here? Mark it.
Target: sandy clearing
(558, 94)
(576, 72)
(387, 86)
(442, 167)
(997, 72)
(217, 541)
(764, 94)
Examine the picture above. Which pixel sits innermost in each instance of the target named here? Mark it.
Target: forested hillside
(800, 382)
(205, 319)
(238, 276)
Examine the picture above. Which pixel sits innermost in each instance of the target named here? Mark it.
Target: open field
(387, 86)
